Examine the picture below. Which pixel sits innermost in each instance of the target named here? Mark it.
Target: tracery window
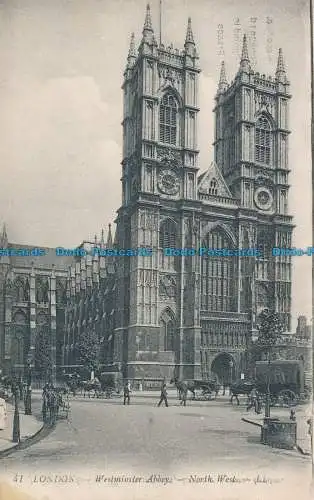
(167, 331)
(168, 112)
(213, 187)
(217, 275)
(167, 234)
(263, 140)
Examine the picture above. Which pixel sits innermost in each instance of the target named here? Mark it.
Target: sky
(62, 63)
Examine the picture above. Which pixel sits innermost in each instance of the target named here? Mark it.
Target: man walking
(126, 393)
(163, 395)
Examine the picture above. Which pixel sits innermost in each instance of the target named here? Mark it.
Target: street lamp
(231, 368)
(28, 395)
(16, 438)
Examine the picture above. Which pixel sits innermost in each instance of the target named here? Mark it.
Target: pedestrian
(3, 414)
(163, 395)
(252, 400)
(184, 393)
(292, 415)
(126, 393)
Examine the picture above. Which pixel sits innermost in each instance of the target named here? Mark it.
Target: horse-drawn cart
(285, 379)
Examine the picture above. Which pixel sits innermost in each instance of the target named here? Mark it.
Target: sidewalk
(302, 415)
(29, 426)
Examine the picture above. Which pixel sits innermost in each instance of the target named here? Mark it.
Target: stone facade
(192, 315)
(158, 315)
(32, 305)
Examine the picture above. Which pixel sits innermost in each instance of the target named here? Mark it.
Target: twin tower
(190, 316)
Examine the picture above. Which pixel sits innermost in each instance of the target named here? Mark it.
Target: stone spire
(281, 75)
(148, 27)
(223, 84)
(189, 44)
(132, 53)
(189, 34)
(109, 239)
(245, 66)
(102, 239)
(4, 237)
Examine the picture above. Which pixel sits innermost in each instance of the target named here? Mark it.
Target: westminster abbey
(155, 316)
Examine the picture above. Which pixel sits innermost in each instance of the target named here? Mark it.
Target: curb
(251, 422)
(42, 432)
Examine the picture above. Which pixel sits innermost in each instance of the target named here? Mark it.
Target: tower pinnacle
(245, 66)
(109, 239)
(132, 54)
(189, 34)
(281, 75)
(4, 236)
(148, 27)
(223, 84)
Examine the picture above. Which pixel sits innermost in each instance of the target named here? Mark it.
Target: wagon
(204, 390)
(286, 380)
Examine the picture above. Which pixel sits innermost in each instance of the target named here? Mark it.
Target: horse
(183, 387)
(88, 386)
(73, 382)
(241, 387)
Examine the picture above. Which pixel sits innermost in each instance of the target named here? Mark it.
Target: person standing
(3, 414)
(163, 395)
(126, 393)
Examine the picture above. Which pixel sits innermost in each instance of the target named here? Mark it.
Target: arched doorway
(224, 367)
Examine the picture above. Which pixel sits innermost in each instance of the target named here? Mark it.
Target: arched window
(167, 331)
(19, 290)
(263, 140)
(168, 119)
(264, 245)
(17, 347)
(168, 234)
(217, 275)
(213, 187)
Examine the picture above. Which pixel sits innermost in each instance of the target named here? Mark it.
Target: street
(102, 435)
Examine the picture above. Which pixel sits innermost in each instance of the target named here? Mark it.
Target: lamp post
(28, 395)
(16, 438)
(267, 403)
(231, 368)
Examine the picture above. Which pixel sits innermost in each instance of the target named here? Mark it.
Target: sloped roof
(213, 172)
(45, 261)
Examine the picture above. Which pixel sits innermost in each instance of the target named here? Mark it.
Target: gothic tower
(160, 162)
(251, 148)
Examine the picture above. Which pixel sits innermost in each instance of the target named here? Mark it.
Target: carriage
(201, 390)
(285, 379)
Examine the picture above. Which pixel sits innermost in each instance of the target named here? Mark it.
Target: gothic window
(17, 348)
(19, 292)
(167, 331)
(264, 245)
(168, 112)
(213, 189)
(263, 140)
(167, 234)
(217, 275)
(229, 144)
(42, 288)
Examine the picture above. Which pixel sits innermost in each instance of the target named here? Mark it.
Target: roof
(45, 261)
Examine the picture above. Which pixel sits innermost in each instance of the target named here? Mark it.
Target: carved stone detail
(167, 286)
(169, 158)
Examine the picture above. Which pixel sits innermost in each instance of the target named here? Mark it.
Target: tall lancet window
(217, 274)
(168, 113)
(263, 140)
